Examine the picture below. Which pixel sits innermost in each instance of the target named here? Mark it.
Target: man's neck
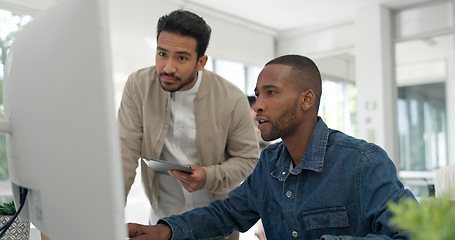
(298, 143)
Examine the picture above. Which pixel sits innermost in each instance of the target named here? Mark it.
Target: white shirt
(180, 147)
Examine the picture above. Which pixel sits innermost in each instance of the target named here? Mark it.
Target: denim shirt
(340, 190)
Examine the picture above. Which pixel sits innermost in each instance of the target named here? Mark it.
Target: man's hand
(143, 232)
(191, 182)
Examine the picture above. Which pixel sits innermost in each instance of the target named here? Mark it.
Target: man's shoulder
(144, 73)
(347, 141)
(142, 78)
(355, 149)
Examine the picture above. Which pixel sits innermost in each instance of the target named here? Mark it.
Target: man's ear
(201, 62)
(308, 99)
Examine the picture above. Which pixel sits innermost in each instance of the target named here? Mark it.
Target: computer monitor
(64, 146)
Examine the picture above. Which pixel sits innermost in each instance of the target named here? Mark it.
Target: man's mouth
(168, 79)
(262, 123)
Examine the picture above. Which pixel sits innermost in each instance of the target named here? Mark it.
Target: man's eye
(183, 58)
(161, 54)
(270, 92)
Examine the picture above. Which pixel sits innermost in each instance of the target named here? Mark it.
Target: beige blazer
(225, 132)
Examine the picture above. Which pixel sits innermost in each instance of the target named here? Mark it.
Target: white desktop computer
(63, 144)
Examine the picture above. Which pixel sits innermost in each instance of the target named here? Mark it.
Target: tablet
(160, 166)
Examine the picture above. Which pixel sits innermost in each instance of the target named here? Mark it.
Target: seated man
(317, 183)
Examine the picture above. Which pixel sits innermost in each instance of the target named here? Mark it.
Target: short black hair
(306, 74)
(186, 23)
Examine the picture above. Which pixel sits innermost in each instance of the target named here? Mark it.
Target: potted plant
(433, 218)
(18, 230)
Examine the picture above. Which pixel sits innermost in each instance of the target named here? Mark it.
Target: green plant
(433, 218)
(7, 208)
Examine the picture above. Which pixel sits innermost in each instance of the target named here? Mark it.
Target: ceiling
(274, 15)
(281, 15)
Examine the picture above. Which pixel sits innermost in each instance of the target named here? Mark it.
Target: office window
(232, 71)
(10, 24)
(251, 79)
(243, 76)
(209, 64)
(422, 80)
(422, 127)
(424, 60)
(338, 106)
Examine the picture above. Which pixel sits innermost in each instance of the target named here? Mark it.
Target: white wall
(319, 41)
(332, 47)
(375, 81)
(338, 67)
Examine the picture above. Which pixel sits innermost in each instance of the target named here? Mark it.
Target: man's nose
(258, 106)
(170, 66)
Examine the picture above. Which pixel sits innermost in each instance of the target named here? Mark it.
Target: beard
(284, 125)
(180, 85)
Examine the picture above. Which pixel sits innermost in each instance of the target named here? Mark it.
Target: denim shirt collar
(313, 158)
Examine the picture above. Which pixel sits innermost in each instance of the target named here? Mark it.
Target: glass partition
(425, 78)
(422, 127)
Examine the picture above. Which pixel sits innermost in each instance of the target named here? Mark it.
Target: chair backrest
(444, 182)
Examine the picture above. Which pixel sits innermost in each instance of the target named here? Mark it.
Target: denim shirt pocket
(331, 221)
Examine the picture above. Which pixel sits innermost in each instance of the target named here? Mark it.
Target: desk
(35, 234)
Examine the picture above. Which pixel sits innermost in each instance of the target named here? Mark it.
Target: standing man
(317, 183)
(179, 112)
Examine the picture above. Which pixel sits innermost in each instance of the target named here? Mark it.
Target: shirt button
(295, 234)
(288, 194)
(283, 173)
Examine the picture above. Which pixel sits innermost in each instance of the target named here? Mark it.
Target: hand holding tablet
(162, 167)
